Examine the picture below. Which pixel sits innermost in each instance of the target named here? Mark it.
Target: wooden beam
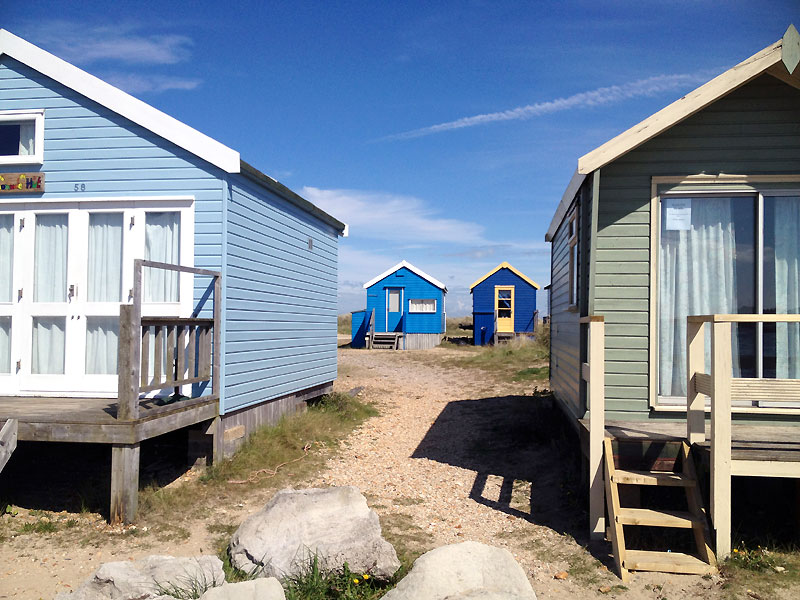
(695, 401)
(8, 441)
(721, 370)
(124, 483)
(765, 468)
(128, 359)
(216, 382)
(596, 390)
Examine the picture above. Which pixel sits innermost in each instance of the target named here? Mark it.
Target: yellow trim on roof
(505, 265)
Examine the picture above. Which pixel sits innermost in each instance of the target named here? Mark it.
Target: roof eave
(410, 267)
(566, 200)
(284, 192)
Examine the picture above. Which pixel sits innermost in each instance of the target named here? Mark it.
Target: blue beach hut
(503, 305)
(405, 311)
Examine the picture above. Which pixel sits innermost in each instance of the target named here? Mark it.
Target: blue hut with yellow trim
(503, 305)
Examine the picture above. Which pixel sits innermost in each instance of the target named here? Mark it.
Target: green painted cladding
(754, 130)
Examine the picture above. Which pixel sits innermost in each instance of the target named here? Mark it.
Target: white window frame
(18, 116)
(706, 185)
(411, 308)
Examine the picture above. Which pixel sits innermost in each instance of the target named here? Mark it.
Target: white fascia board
(681, 109)
(120, 102)
(411, 268)
(566, 200)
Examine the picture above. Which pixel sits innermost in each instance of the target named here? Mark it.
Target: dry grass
(343, 323)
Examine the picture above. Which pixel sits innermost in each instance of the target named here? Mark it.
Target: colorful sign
(21, 183)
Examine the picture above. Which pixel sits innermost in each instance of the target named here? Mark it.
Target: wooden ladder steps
(652, 478)
(666, 562)
(648, 517)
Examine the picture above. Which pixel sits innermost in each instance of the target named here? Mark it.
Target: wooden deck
(95, 420)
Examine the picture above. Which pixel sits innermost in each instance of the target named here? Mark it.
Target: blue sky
(443, 132)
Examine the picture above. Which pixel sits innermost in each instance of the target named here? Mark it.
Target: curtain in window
(5, 344)
(102, 341)
(48, 345)
(6, 257)
(105, 257)
(787, 285)
(50, 259)
(27, 131)
(162, 243)
(697, 270)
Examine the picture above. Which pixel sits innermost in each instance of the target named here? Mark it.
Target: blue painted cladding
(358, 329)
(414, 287)
(280, 315)
(86, 143)
(483, 305)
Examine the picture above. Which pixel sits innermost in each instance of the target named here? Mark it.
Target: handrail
(192, 344)
(722, 388)
(370, 330)
(593, 373)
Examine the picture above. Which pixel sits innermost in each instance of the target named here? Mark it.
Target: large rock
(335, 524)
(256, 589)
(149, 578)
(469, 570)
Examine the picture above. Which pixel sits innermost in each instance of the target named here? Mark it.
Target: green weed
(316, 583)
(40, 526)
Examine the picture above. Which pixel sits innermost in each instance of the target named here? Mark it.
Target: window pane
(48, 345)
(102, 341)
(781, 270)
(504, 313)
(50, 259)
(422, 305)
(5, 344)
(706, 266)
(6, 257)
(394, 300)
(504, 293)
(105, 257)
(162, 244)
(9, 139)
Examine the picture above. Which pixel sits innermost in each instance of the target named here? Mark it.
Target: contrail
(651, 86)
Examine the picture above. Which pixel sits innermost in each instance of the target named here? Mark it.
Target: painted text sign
(21, 183)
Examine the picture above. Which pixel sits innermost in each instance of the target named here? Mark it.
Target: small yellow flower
(356, 581)
(365, 577)
(736, 550)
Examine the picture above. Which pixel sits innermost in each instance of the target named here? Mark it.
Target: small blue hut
(503, 305)
(405, 310)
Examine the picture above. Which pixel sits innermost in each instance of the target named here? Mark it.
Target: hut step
(666, 478)
(666, 562)
(657, 518)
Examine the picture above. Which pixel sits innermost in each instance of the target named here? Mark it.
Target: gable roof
(779, 60)
(505, 265)
(411, 268)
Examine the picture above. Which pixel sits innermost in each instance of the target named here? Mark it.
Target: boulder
(469, 570)
(255, 589)
(333, 524)
(149, 578)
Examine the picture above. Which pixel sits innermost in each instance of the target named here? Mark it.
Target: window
(574, 257)
(162, 244)
(733, 253)
(505, 302)
(422, 306)
(5, 344)
(21, 137)
(394, 300)
(6, 257)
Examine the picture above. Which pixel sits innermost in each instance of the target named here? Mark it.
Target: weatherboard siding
(88, 144)
(280, 317)
(754, 130)
(414, 287)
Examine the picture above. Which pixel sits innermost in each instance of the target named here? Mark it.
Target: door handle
(73, 290)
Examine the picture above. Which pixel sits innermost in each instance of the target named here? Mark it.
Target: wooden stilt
(124, 482)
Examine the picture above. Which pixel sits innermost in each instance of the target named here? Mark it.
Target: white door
(72, 266)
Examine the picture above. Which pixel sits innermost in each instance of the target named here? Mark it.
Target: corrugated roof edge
(284, 192)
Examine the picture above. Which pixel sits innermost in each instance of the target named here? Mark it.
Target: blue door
(394, 309)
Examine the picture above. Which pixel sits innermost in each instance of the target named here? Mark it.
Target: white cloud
(139, 84)
(651, 86)
(397, 218)
(79, 43)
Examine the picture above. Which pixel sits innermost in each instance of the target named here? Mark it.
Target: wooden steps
(8, 440)
(386, 340)
(694, 518)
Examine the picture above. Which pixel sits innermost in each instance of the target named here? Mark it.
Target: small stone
(605, 589)
(561, 575)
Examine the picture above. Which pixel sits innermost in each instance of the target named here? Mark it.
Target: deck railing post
(721, 372)
(695, 363)
(128, 362)
(597, 406)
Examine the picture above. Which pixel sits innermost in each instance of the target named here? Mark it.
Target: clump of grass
(753, 559)
(316, 583)
(189, 587)
(39, 526)
(532, 373)
(761, 569)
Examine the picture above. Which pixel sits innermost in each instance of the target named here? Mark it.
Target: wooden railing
(593, 373)
(370, 329)
(724, 390)
(185, 350)
(494, 329)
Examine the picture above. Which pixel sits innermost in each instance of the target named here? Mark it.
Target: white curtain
(5, 344)
(162, 244)
(697, 270)
(6, 257)
(50, 259)
(105, 257)
(48, 345)
(102, 341)
(27, 131)
(787, 285)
